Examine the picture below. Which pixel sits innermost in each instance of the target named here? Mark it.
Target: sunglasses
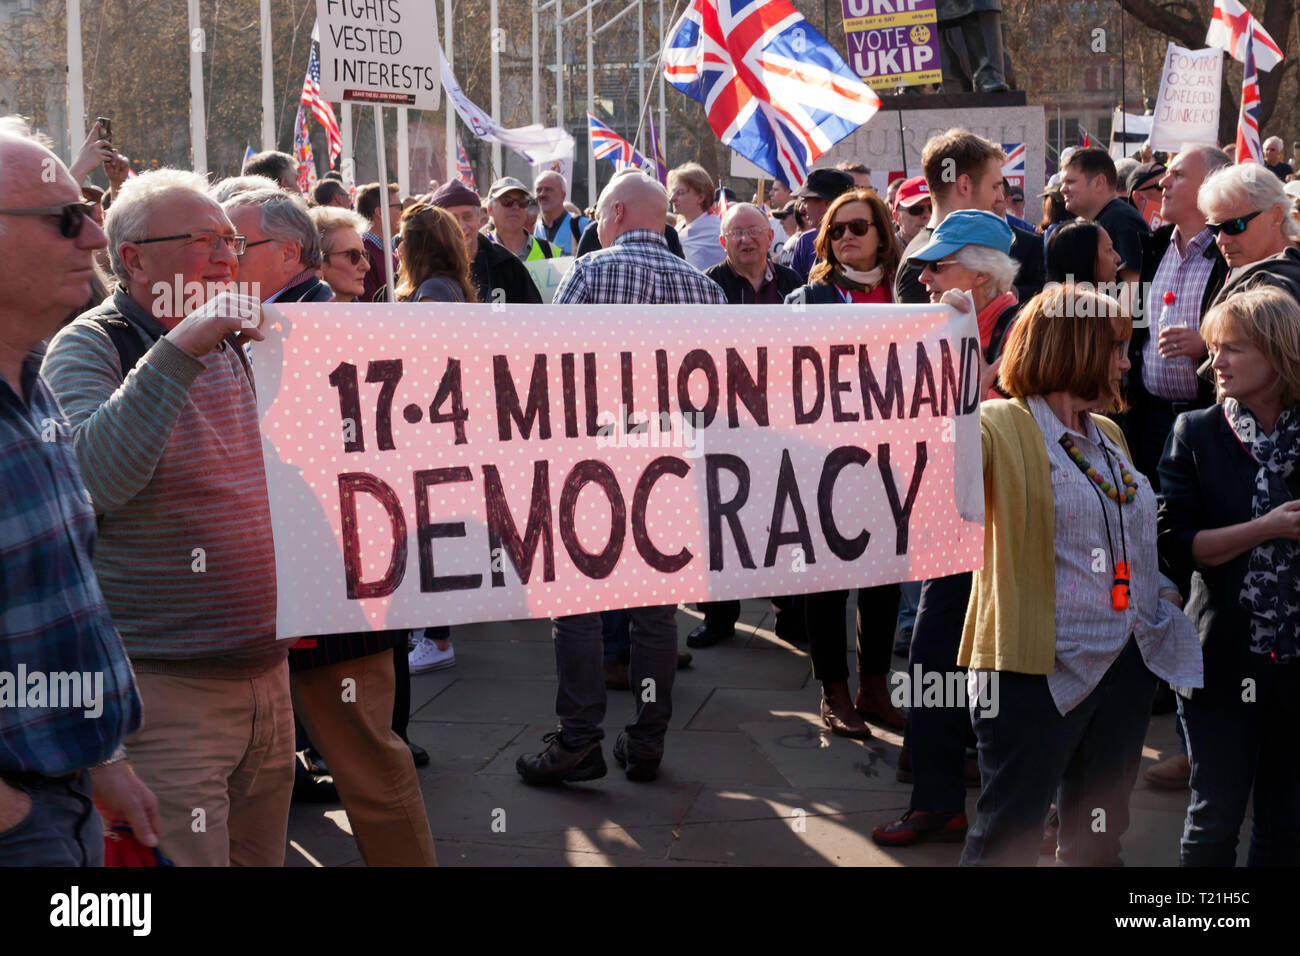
(514, 203)
(71, 215)
(354, 255)
(918, 210)
(859, 227)
(1233, 227)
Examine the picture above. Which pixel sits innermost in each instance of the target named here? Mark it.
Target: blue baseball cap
(966, 227)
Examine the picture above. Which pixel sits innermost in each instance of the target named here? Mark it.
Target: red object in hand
(121, 848)
(1169, 298)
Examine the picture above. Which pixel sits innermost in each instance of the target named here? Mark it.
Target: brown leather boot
(838, 713)
(873, 703)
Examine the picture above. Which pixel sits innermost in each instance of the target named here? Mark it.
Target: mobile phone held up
(105, 127)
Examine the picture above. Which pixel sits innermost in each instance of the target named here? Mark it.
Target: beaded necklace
(1119, 591)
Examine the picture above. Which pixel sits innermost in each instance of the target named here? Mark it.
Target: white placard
(1187, 108)
(547, 274)
(379, 51)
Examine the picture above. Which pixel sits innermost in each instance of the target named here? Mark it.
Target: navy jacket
(1207, 480)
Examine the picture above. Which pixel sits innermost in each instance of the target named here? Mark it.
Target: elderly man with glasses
(281, 248)
(159, 397)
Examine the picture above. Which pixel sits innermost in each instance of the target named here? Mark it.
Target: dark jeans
(1235, 747)
(63, 828)
(1149, 428)
(1088, 759)
(720, 615)
(579, 664)
(828, 641)
(614, 632)
(937, 734)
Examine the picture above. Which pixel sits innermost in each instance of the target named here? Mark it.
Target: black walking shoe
(706, 635)
(640, 769)
(559, 763)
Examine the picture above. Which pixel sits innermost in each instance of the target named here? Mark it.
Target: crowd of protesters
(1141, 384)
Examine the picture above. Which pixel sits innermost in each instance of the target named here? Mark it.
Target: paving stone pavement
(750, 776)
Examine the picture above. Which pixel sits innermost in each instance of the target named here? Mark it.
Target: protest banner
(893, 43)
(443, 464)
(1187, 106)
(548, 273)
(383, 52)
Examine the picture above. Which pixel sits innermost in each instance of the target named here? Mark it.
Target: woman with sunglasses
(1229, 531)
(858, 254)
(434, 262)
(344, 262)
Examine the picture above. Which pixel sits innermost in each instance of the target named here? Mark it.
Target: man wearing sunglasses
(166, 429)
(508, 201)
(1249, 212)
(53, 616)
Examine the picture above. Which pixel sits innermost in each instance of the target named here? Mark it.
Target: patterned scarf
(1270, 591)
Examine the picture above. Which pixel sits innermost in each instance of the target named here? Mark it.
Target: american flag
(775, 91)
(607, 144)
(1229, 23)
(302, 153)
(1249, 149)
(320, 107)
(464, 171)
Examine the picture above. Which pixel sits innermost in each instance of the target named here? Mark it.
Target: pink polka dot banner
(442, 464)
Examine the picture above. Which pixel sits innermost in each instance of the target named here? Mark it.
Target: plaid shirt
(54, 624)
(1185, 275)
(637, 269)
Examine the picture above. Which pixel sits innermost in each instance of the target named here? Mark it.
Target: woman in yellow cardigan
(1070, 616)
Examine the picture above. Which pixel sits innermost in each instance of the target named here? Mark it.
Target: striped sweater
(172, 457)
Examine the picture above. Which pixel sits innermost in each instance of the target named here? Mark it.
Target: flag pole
(76, 88)
(448, 34)
(268, 79)
(591, 108)
(198, 123)
(496, 36)
(382, 160)
(537, 80)
(559, 66)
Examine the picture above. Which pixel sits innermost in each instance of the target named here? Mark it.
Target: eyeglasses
(859, 227)
(354, 255)
(917, 210)
(940, 265)
(514, 203)
(1233, 227)
(249, 245)
(71, 215)
(753, 232)
(213, 240)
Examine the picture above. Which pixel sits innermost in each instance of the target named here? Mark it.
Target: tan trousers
(218, 755)
(347, 709)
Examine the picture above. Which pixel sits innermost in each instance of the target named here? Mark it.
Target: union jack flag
(1249, 149)
(1013, 169)
(302, 153)
(607, 144)
(1229, 23)
(774, 89)
(464, 171)
(320, 107)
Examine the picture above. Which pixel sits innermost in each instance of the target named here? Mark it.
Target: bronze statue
(971, 46)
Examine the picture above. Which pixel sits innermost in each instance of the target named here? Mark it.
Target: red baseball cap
(912, 191)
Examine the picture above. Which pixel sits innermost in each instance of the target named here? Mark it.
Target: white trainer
(425, 656)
